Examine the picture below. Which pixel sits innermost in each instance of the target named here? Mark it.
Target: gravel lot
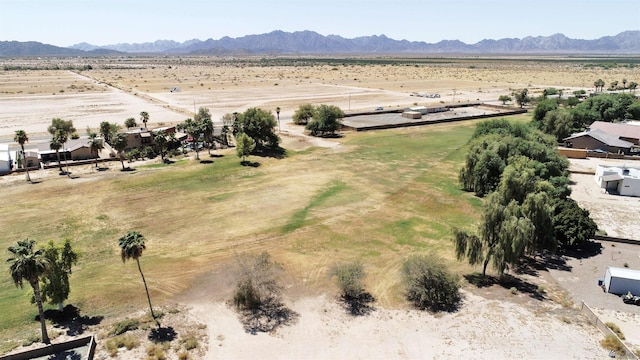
(579, 273)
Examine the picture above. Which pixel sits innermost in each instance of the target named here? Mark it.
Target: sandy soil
(482, 329)
(617, 215)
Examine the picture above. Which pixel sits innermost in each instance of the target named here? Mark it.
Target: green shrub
(31, 339)
(349, 278)
(429, 285)
(124, 326)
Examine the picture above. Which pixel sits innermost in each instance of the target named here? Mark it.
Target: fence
(595, 320)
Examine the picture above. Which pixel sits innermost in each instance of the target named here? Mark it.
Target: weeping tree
(131, 247)
(504, 235)
(28, 264)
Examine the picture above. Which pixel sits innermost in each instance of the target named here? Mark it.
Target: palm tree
(132, 246)
(160, 138)
(21, 138)
(56, 145)
(28, 265)
(62, 129)
(96, 145)
(624, 84)
(120, 143)
(144, 117)
(194, 130)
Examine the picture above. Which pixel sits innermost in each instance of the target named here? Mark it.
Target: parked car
(379, 108)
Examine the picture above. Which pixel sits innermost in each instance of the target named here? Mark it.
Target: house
(621, 281)
(620, 180)
(6, 163)
(73, 149)
(627, 132)
(138, 139)
(29, 157)
(598, 139)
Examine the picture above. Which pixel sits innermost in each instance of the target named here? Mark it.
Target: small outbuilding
(621, 281)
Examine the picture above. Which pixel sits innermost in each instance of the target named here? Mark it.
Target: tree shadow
(277, 153)
(586, 250)
(267, 317)
(479, 280)
(509, 281)
(103, 168)
(162, 334)
(358, 305)
(168, 161)
(216, 155)
(505, 281)
(71, 319)
(128, 169)
(206, 161)
(254, 164)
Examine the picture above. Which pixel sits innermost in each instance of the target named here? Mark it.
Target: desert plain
(365, 196)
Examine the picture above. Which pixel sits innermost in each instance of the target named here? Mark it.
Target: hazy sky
(104, 22)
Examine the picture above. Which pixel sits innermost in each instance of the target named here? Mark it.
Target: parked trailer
(621, 281)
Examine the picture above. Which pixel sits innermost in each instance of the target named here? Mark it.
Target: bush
(124, 326)
(429, 285)
(189, 342)
(349, 278)
(122, 341)
(155, 351)
(615, 329)
(610, 342)
(258, 282)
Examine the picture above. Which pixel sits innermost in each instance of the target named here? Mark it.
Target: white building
(619, 180)
(5, 159)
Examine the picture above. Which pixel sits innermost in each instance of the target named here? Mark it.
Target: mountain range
(309, 42)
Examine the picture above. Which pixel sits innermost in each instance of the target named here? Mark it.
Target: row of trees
(561, 120)
(613, 85)
(47, 270)
(527, 207)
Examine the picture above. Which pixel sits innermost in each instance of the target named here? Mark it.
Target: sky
(105, 22)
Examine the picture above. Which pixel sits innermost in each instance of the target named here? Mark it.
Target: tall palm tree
(120, 143)
(132, 246)
(144, 117)
(160, 138)
(21, 138)
(96, 145)
(56, 145)
(28, 265)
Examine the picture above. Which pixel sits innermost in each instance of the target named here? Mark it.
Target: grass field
(378, 197)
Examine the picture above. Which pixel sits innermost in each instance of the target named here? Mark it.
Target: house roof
(617, 129)
(603, 137)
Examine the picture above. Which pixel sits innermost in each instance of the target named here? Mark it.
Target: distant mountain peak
(311, 42)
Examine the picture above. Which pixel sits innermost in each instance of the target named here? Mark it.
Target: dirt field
(493, 323)
(117, 89)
